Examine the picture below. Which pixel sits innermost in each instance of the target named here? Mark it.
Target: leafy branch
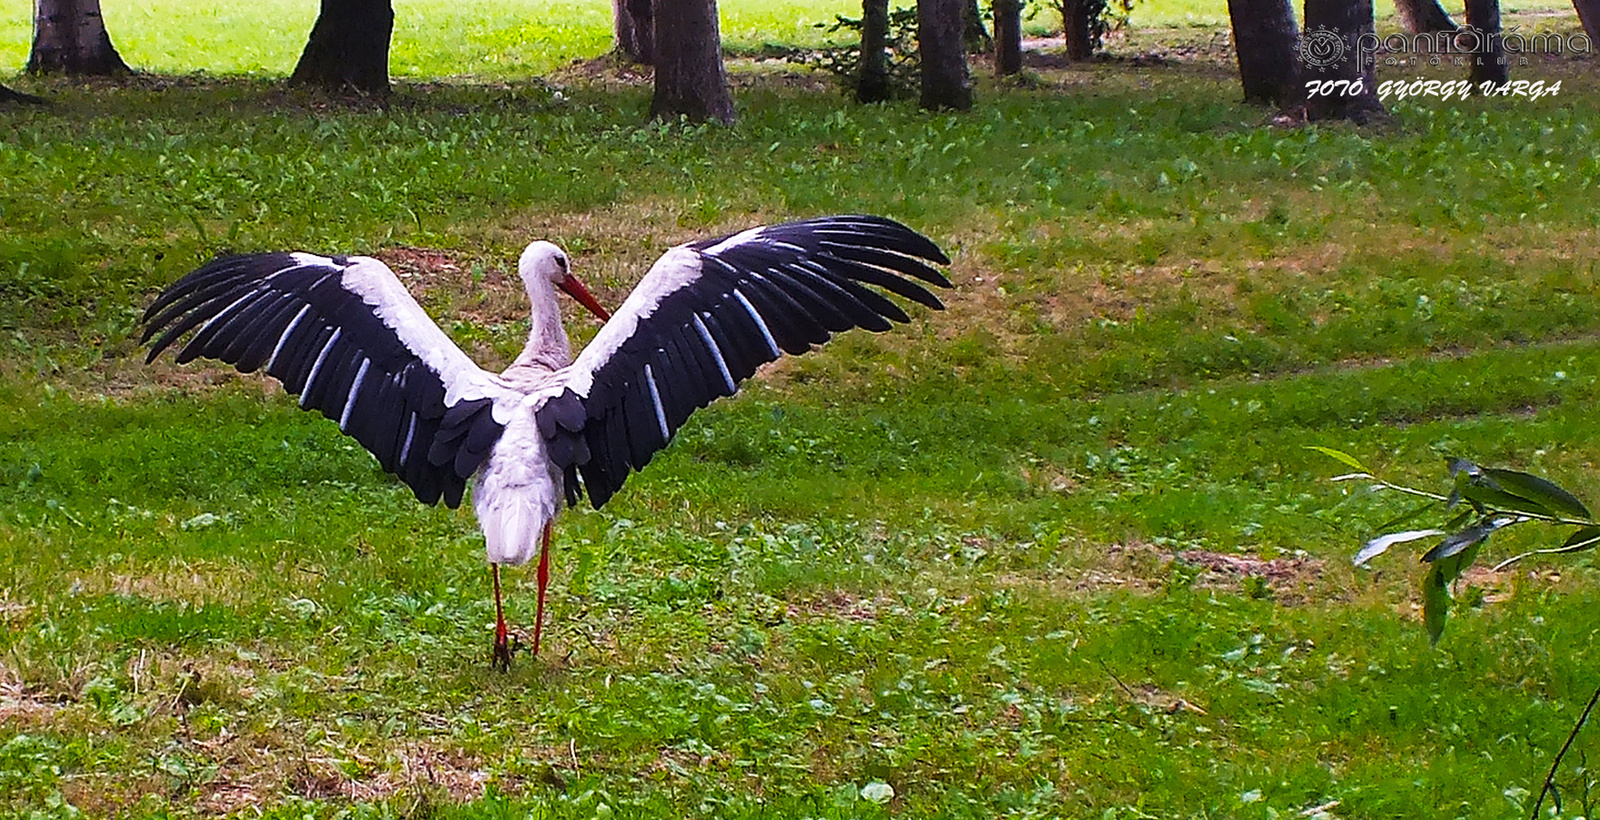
(1481, 501)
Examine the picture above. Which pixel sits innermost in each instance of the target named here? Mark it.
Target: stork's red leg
(502, 646)
(544, 581)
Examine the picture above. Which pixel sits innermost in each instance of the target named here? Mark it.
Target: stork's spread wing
(346, 336)
(707, 315)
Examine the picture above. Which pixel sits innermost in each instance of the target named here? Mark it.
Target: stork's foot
(504, 648)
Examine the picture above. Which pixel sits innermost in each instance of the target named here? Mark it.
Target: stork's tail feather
(511, 530)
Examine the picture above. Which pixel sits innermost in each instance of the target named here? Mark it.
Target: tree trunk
(1007, 37)
(70, 37)
(690, 79)
(635, 30)
(9, 95)
(973, 34)
(945, 84)
(1330, 52)
(1077, 28)
(873, 84)
(1589, 16)
(348, 47)
(1423, 16)
(1489, 53)
(1264, 36)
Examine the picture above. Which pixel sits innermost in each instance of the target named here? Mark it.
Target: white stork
(345, 335)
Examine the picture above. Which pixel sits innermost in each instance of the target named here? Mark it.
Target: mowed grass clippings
(1058, 550)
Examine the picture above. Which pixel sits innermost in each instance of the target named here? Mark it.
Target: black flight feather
(280, 311)
(796, 283)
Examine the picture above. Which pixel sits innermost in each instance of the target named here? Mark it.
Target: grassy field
(510, 39)
(1057, 551)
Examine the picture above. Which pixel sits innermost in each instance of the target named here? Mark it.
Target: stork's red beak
(576, 290)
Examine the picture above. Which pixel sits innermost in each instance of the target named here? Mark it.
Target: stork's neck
(547, 347)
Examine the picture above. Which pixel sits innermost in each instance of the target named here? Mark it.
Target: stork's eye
(561, 262)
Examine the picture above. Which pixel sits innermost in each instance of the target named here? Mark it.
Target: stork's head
(544, 262)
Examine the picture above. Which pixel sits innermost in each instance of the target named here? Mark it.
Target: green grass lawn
(1057, 551)
(505, 40)
(432, 38)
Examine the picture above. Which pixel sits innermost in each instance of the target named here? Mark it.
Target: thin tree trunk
(348, 47)
(1489, 53)
(1330, 51)
(70, 37)
(690, 79)
(1007, 37)
(873, 84)
(1423, 16)
(945, 82)
(1077, 29)
(973, 34)
(635, 29)
(1264, 35)
(1589, 16)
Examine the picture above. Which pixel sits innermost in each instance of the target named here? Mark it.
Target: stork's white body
(518, 491)
(344, 334)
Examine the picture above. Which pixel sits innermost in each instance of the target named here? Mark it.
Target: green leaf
(1435, 604)
(1584, 538)
(1382, 543)
(1344, 458)
(1486, 496)
(1454, 543)
(1470, 537)
(1452, 567)
(1407, 516)
(1540, 491)
(1496, 489)
(1436, 588)
(1462, 472)
(1459, 466)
